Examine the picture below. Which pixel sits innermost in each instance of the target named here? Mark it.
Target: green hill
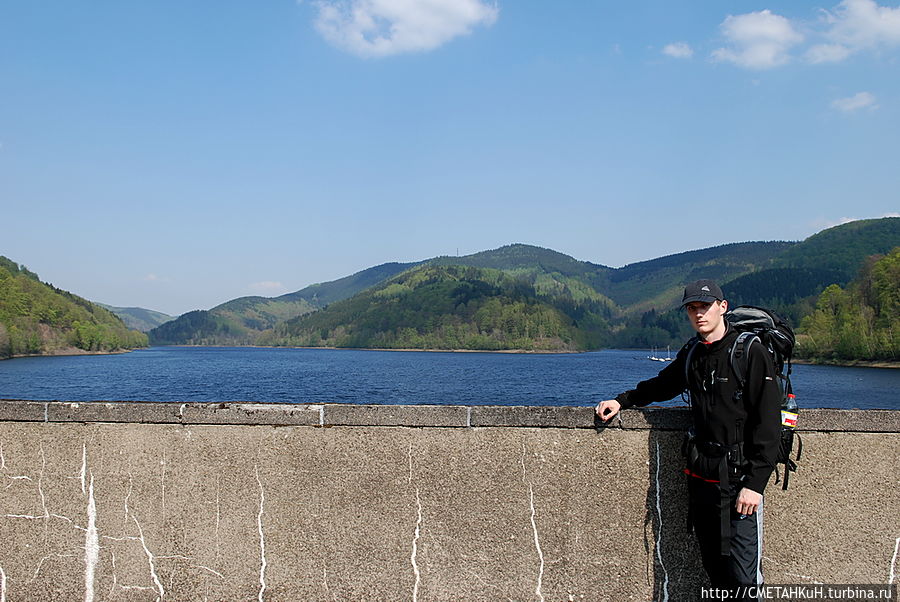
(444, 307)
(844, 248)
(658, 283)
(241, 321)
(791, 284)
(638, 303)
(139, 318)
(37, 318)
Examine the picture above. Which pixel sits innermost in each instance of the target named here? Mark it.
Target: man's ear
(724, 306)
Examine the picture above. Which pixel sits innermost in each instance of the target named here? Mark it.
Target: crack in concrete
(659, 533)
(325, 582)
(41, 483)
(537, 541)
(163, 483)
(262, 537)
(891, 575)
(807, 577)
(83, 466)
(91, 545)
(41, 562)
(415, 548)
(415, 542)
(150, 559)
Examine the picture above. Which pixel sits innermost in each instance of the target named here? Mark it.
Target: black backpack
(767, 327)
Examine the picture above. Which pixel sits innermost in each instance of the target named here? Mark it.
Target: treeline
(38, 318)
(859, 322)
(447, 307)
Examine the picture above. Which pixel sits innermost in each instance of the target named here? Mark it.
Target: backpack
(767, 327)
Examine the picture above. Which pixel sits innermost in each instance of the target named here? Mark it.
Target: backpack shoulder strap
(740, 353)
(691, 345)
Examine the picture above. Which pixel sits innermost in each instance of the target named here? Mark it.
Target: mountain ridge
(636, 298)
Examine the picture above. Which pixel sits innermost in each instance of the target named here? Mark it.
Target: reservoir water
(218, 374)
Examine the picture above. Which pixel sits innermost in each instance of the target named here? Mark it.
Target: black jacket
(752, 418)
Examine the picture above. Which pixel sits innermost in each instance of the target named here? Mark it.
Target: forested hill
(638, 303)
(37, 318)
(843, 249)
(449, 307)
(241, 321)
(859, 322)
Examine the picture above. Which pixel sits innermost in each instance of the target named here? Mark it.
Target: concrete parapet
(337, 414)
(147, 501)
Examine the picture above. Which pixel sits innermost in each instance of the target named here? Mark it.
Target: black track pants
(741, 569)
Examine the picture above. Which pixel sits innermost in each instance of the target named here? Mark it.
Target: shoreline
(888, 365)
(515, 351)
(69, 351)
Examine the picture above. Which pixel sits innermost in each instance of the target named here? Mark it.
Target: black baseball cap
(705, 291)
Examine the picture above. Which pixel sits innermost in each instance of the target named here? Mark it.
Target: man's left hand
(748, 501)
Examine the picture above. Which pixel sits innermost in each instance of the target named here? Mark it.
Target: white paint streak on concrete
(537, 541)
(415, 548)
(150, 558)
(262, 538)
(892, 575)
(91, 545)
(665, 586)
(2, 458)
(2, 585)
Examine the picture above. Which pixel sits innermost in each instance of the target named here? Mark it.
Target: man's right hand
(607, 409)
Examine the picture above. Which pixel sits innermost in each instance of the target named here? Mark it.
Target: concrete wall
(147, 501)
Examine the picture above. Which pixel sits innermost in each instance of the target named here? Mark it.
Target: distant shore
(525, 351)
(848, 363)
(68, 351)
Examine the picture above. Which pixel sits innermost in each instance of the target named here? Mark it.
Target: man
(732, 447)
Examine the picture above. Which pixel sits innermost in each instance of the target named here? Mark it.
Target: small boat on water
(656, 358)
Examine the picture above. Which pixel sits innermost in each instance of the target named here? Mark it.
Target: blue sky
(175, 155)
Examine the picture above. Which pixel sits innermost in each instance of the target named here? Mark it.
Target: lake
(217, 374)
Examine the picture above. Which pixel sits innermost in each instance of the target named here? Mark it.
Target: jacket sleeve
(762, 431)
(664, 386)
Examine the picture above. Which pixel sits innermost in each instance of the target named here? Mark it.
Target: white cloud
(759, 40)
(861, 100)
(678, 50)
(155, 278)
(859, 24)
(827, 53)
(377, 28)
(267, 286)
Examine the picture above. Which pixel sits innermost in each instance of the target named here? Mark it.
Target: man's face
(706, 317)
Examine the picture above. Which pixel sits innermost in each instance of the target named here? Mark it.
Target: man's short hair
(705, 291)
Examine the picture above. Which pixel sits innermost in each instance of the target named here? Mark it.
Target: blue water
(215, 374)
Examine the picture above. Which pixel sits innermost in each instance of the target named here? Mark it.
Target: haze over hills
(628, 306)
(139, 318)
